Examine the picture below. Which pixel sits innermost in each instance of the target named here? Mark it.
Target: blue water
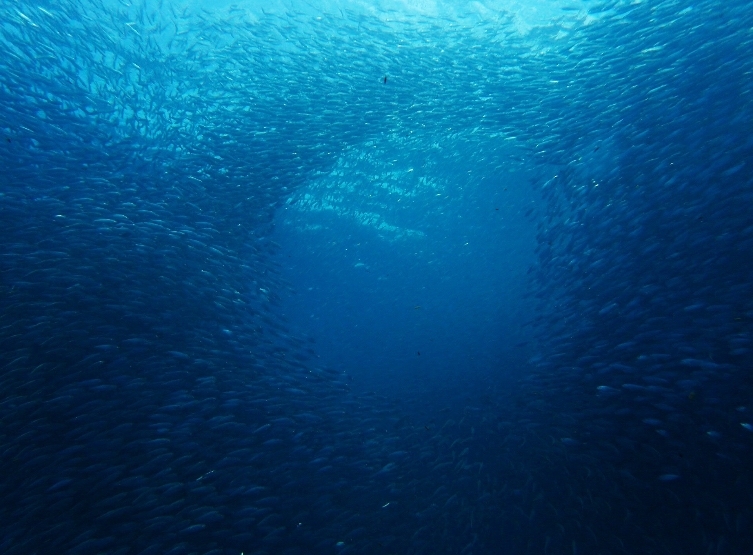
(416, 278)
(442, 306)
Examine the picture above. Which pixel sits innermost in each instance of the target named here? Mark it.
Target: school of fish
(152, 399)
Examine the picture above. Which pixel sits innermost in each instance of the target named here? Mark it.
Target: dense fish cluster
(153, 401)
(152, 398)
(645, 273)
(403, 184)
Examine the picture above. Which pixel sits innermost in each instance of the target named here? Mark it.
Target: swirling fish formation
(152, 399)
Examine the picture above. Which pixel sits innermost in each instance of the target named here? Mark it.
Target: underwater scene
(386, 277)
